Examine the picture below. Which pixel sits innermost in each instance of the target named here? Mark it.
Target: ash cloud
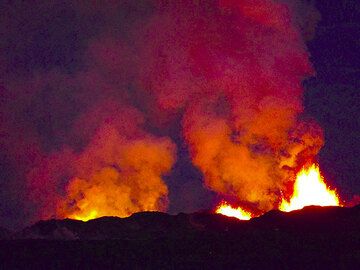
(90, 92)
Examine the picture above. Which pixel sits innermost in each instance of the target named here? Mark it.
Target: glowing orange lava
(227, 210)
(310, 189)
(85, 217)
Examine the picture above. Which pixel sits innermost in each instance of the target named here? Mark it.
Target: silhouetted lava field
(311, 238)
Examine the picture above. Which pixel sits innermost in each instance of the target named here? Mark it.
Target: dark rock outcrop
(311, 238)
(148, 225)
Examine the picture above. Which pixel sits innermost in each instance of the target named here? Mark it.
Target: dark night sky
(44, 38)
(333, 96)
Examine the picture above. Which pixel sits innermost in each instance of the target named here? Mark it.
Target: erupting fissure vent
(309, 189)
(227, 210)
(222, 79)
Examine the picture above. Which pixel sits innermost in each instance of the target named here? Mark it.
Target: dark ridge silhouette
(143, 225)
(311, 238)
(311, 219)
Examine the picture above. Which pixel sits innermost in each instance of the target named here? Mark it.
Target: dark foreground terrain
(312, 238)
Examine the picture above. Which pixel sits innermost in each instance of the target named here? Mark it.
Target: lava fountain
(310, 189)
(226, 209)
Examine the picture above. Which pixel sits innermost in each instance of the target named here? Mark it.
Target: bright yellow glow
(227, 210)
(86, 217)
(310, 189)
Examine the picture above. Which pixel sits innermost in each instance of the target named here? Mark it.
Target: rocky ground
(312, 238)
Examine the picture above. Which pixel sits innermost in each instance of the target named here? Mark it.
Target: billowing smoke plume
(118, 173)
(97, 111)
(236, 68)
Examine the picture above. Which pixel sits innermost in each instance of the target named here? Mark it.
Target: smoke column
(86, 117)
(235, 68)
(118, 173)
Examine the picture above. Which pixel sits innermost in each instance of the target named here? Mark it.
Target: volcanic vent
(220, 79)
